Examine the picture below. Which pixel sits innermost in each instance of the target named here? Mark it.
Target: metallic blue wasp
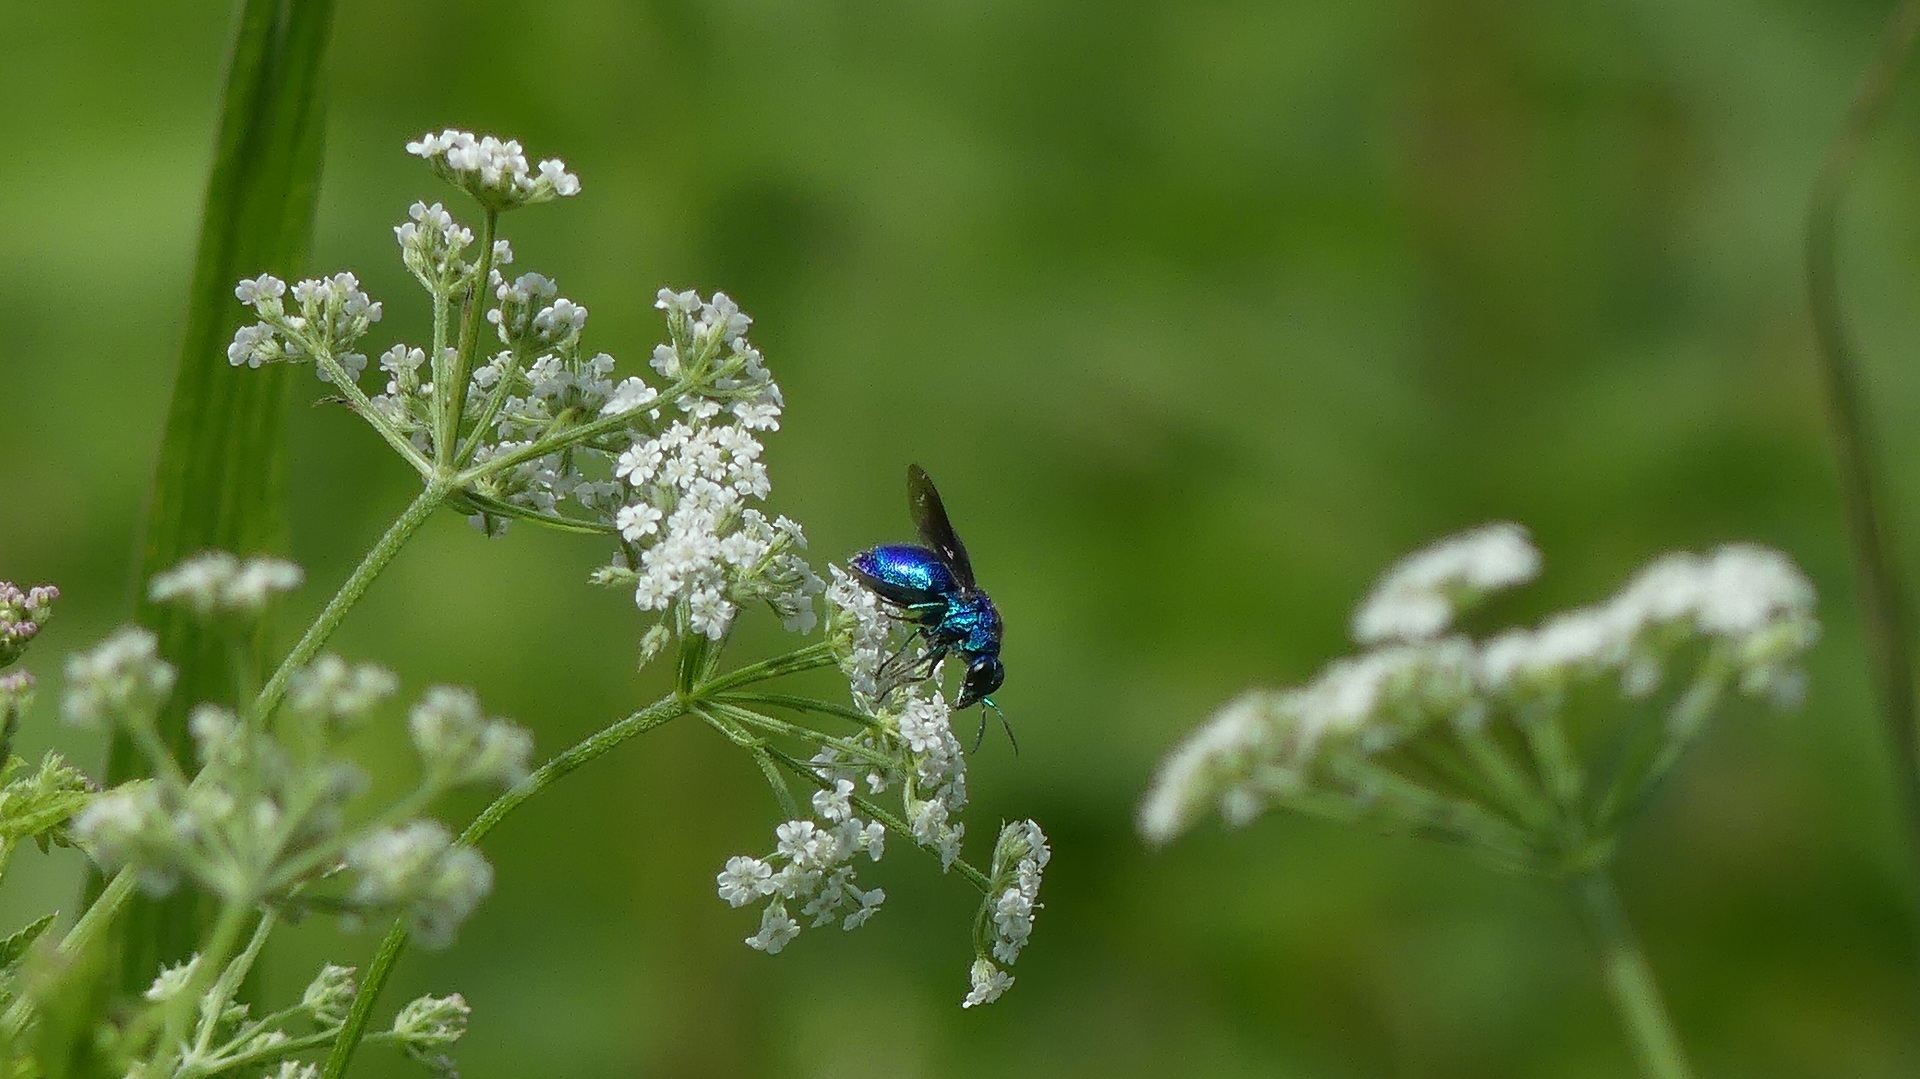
(933, 587)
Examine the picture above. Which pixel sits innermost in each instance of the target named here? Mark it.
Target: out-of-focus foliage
(1200, 312)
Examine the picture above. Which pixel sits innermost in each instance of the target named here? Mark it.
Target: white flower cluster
(122, 676)
(433, 245)
(1740, 618)
(427, 1029)
(333, 314)
(1752, 601)
(417, 868)
(912, 726)
(458, 744)
(812, 866)
(264, 817)
(1420, 595)
(22, 613)
(1013, 898)
(541, 379)
(494, 171)
(217, 581)
(687, 514)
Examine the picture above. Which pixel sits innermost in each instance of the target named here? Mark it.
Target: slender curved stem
(1629, 979)
(1883, 592)
(452, 390)
(330, 617)
(354, 1029)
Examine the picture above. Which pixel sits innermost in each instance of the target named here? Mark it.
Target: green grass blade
(220, 477)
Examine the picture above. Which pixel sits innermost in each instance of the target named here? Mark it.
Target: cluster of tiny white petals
(687, 512)
(22, 613)
(1740, 616)
(121, 675)
(913, 723)
(1753, 601)
(433, 246)
(333, 313)
(1020, 857)
(812, 867)
(989, 983)
(1008, 909)
(260, 811)
(494, 171)
(862, 633)
(218, 581)
(342, 693)
(459, 744)
(1419, 596)
(418, 868)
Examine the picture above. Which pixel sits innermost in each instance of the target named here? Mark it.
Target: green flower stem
(798, 704)
(1453, 817)
(748, 717)
(357, 399)
(330, 617)
(378, 971)
(451, 387)
(229, 983)
(811, 657)
(1629, 979)
(275, 1053)
(1520, 791)
(95, 920)
(1676, 732)
(1554, 756)
(178, 1012)
(559, 440)
(1883, 590)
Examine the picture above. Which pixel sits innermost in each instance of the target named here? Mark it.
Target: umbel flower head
(903, 771)
(1529, 747)
(264, 815)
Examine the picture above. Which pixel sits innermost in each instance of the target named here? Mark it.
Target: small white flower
(630, 396)
(745, 880)
(836, 804)
(777, 930)
(989, 983)
(637, 521)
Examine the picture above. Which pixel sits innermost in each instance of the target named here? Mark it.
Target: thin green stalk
(281, 1050)
(1884, 600)
(177, 1014)
(1519, 790)
(1629, 978)
(799, 704)
(800, 659)
(453, 389)
(229, 982)
(381, 968)
(355, 586)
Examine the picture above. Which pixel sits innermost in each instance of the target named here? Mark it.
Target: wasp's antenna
(981, 734)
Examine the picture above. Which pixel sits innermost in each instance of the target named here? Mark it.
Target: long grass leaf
(220, 476)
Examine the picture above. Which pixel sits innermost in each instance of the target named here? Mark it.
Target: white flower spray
(1530, 748)
(506, 416)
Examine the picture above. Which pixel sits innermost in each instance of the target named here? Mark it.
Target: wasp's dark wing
(930, 516)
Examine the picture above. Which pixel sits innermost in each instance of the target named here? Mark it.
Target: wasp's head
(983, 677)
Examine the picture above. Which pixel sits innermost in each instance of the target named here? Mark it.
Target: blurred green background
(1200, 312)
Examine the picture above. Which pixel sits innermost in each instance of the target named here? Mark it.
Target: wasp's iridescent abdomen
(904, 574)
